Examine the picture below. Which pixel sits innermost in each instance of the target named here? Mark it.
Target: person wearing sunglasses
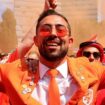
(76, 81)
(92, 50)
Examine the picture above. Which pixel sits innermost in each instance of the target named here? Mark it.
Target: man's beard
(49, 55)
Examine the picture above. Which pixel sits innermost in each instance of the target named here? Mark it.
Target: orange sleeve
(4, 99)
(13, 56)
(100, 97)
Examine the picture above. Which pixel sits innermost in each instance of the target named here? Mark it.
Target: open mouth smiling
(52, 42)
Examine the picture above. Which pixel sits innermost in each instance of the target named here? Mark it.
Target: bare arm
(25, 45)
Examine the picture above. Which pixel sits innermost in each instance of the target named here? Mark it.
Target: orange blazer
(16, 77)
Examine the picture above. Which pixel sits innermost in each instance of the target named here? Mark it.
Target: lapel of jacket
(82, 77)
(28, 83)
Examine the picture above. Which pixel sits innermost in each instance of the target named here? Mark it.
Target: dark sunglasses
(95, 54)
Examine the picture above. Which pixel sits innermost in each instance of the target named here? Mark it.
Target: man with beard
(59, 80)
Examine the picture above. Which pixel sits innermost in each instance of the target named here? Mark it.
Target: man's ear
(70, 41)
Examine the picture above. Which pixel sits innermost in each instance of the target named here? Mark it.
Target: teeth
(52, 44)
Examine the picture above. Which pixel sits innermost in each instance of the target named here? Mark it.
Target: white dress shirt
(65, 84)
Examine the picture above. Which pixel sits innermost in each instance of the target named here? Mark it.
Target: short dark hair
(48, 13)
(84, 44)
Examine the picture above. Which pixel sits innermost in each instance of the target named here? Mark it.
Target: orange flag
(93, 38)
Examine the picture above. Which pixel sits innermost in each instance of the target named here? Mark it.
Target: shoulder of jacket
(79, 60)
(8, 66)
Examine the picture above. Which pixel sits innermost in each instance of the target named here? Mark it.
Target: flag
(93, 38)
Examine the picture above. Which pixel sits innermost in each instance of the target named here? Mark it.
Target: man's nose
(54, 31)
(91, 56)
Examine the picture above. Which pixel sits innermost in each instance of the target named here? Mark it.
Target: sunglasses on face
(87, 54)
(46, 30)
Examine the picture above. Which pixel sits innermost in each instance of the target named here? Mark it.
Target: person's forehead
(53, 19)
(91, 48)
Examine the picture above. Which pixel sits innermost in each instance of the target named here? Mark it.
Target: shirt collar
(63, 69)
